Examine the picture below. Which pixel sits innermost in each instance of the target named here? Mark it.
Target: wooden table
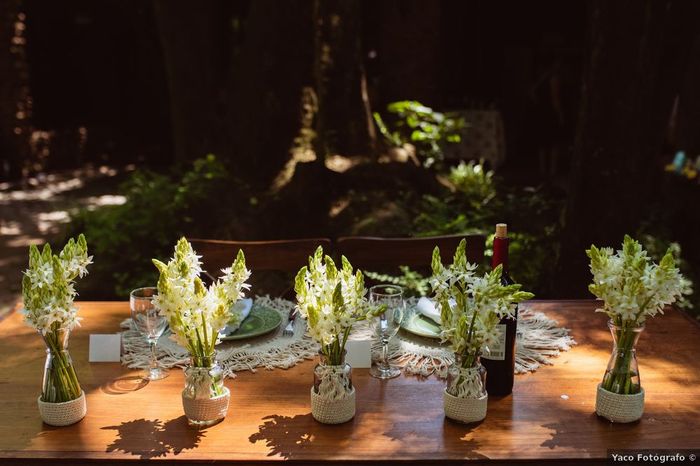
(548, 417)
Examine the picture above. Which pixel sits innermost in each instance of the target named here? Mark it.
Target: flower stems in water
(621, 379)
(61, 382)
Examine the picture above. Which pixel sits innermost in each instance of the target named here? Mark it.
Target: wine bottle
(499, 361)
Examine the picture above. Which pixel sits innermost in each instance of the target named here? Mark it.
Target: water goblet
(148, 320)
(386, 325)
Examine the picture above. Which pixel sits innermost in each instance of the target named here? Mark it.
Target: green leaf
(436, 262)
(299, 281)
(46, 253)
(338, 302)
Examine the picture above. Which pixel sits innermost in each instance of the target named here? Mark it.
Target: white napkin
(243, 306)
(427, 307)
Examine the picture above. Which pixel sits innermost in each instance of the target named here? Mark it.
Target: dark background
(159, 84)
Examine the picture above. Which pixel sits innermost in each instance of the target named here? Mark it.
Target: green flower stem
(61, 376)
(334, 351)
(619, 380)
(203, 355)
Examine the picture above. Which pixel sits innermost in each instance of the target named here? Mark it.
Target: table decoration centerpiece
(332, 300)
(196, 314)
(632, 288)
(471, 307)
(48, 293)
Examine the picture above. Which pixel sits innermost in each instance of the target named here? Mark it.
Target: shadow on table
(570, 434)
(124, 385)
(291, 437)
(285, 435)
(154, 439)
(464, 434)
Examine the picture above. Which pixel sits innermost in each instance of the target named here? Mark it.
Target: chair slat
(373, 253)
(279, 255)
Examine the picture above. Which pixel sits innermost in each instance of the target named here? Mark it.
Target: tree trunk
(689, 105)
(15, 102)
(192, 38)
(619, 133)
(409, 50)
(345, 117)
(273, 66)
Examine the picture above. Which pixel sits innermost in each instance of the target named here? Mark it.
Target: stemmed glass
(386, 325)
(151, 323)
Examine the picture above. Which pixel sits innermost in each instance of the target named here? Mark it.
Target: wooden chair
(371, 253)
(286, 256)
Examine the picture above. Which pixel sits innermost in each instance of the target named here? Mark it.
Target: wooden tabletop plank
(400, 419)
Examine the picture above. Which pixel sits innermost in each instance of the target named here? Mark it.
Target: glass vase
(332, 395)
(466, 378)
(622, 374)
(332, 381)
(465, 399)
(60, 383)
(205, 398)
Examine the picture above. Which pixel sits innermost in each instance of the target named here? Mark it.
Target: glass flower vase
(205, 399)
(465, 398)
(622, 373)
(62, 401)
(60, 382)
(332, 395)
(620, 396)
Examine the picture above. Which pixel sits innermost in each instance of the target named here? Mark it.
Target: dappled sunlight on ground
(37, 211)
(340, 163)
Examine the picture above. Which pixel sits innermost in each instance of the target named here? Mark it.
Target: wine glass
(151, 323)
(386, 325)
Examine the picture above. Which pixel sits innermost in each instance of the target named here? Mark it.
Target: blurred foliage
(423, 127)
(656, 245)
(474, 182)
(472, 202)
(159, 209)
(477, 202)
(672, 224)
(413, 282)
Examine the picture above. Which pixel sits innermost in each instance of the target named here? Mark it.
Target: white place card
(105, 348)
(359, 353)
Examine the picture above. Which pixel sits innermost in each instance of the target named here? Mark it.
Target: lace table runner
(539, 340)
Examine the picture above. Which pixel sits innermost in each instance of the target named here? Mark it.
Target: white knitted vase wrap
(619, 408)
(63, 414)
(206, 409)
(467, 409)
(330, 411)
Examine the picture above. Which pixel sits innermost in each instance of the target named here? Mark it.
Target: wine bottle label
(497, 350)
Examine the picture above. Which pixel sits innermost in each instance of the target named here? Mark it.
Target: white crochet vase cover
(63, 414)
(619, 408)
(206, 409)
(332, 411)
(466, 409)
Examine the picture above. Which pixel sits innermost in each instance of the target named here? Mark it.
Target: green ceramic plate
(420, 325)
(260, 321)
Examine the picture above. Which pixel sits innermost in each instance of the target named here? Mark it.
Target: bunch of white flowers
(331, 300)
(471, 306)
(632, 287)
(196, 313)
(48, 285)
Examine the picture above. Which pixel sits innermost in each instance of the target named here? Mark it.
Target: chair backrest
(372, 253)
(279, 255)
